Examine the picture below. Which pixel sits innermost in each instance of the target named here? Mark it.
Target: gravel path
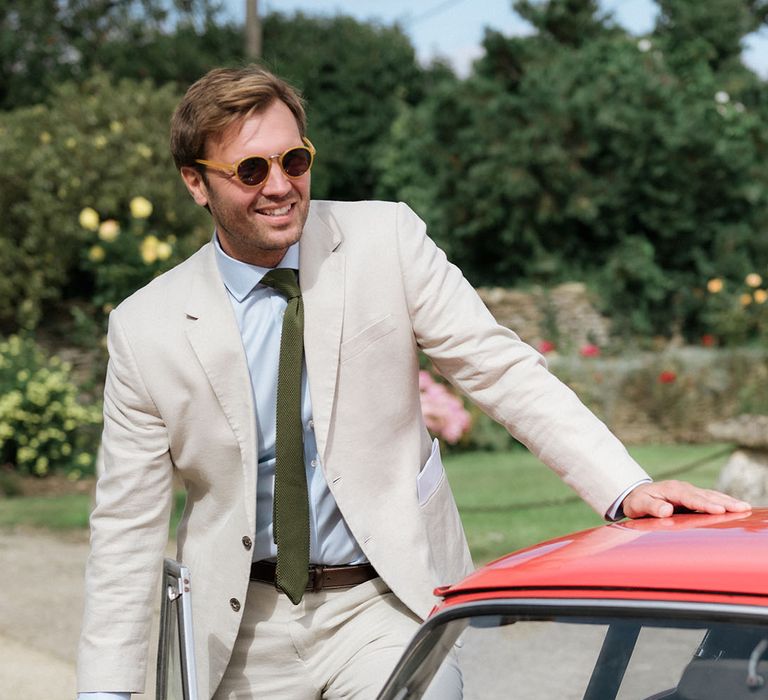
(41, 603)
(41, 606)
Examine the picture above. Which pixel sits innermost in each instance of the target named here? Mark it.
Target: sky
(454, 29)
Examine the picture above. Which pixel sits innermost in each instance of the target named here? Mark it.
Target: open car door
(176, 672)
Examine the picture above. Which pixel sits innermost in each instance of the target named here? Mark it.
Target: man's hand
(659, 499)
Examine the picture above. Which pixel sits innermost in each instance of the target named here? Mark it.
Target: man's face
(255, 224)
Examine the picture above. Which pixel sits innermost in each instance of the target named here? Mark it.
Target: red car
(673, 609)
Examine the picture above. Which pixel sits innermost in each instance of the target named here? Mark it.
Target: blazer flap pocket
(431, 474)
(358, 342)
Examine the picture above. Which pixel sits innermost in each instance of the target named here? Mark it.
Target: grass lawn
(507, 500)
(510, 500)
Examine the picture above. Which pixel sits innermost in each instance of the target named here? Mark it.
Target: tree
(354, 76)
(46, 42)
(605, 161)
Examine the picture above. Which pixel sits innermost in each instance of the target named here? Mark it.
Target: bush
(97, 145)
(44, 425)
(735, 310)
(124, 255)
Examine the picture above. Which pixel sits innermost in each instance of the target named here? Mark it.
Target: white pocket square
(431, 474)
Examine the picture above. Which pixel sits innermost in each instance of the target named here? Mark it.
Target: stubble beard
(253, 241)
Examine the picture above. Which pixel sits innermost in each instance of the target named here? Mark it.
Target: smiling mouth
(281, 211)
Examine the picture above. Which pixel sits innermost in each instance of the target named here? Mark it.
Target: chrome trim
(176, 591)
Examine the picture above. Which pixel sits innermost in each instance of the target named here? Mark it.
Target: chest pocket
(366, 337)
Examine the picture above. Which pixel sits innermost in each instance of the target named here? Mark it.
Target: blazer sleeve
(129, 528)
(504, 376)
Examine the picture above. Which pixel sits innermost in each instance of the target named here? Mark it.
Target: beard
(249, 236)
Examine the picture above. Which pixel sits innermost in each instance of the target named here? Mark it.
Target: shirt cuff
(103, 696)
(616, 511)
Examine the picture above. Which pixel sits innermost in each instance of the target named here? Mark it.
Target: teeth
(276, 212)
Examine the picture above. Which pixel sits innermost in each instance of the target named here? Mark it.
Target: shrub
(735, 310)
(44, 425)
(97, 145)
(124, 256)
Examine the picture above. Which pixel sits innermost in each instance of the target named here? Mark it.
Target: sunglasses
(252, 171)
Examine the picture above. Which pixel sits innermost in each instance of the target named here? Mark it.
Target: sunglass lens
(253, 170)
(296, 161)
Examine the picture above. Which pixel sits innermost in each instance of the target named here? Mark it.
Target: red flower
(708, 340)
(667, 377)
(589, 350)
(546, 346)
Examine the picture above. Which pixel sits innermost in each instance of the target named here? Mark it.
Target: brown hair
(222, 97)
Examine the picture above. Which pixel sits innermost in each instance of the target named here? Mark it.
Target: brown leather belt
(320, 577)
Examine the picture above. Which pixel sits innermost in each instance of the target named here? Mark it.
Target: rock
(745, 476)
(745, 430)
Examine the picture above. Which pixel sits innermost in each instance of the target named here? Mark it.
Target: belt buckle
(316, 578)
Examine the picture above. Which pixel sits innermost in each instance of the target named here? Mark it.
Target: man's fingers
(659, 500)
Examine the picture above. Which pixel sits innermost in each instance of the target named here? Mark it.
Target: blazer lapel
(213, 333)
(321, 275)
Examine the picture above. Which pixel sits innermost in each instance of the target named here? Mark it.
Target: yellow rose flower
(753, 279)
(45, 137)
(141, 208)
(109, 230)
(144, 151)
(116, 127)
(164, 250)
(71, 143)
(89, 219)
(96, 254)
(761, 296)
(100, 141)
(715, 285)
(148, 249)
(745, 299)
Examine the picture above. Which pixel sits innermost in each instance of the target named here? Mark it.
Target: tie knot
(283, 279)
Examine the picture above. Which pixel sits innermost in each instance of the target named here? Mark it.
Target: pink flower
(444, 413)
(546, 346)
(589, 350)
(667, 377)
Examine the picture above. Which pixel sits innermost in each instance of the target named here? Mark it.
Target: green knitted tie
(291, 509)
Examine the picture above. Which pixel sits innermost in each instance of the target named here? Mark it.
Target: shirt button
(234, 603)
(311, 425)
(313, 463)
(247, 543)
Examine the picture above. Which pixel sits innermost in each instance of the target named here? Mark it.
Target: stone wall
(564, 315)
(666, 396)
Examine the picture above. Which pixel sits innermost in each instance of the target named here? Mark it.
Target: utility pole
(252, 30)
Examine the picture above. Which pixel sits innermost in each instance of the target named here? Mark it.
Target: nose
(276, 183)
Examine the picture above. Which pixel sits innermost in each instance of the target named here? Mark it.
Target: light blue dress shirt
(259, 313)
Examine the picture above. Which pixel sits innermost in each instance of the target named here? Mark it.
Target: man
(196, 382)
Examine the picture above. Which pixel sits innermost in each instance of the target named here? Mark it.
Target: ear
(193, 179)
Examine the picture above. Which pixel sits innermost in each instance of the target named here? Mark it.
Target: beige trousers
(335, 644)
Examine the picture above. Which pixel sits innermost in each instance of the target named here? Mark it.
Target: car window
(597, 658)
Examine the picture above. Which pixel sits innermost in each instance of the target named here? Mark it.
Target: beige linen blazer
(178, 400)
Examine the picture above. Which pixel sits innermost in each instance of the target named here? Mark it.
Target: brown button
(247, 543)
(234, 603)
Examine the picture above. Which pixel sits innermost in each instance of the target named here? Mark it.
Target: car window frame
(415, 669)
(176, 597)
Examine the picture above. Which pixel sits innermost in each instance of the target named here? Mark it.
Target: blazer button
(247, 542)
(234, 603)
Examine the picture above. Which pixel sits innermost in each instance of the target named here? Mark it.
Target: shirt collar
(240, 277)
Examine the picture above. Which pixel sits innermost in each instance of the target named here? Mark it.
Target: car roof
(685, 556)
